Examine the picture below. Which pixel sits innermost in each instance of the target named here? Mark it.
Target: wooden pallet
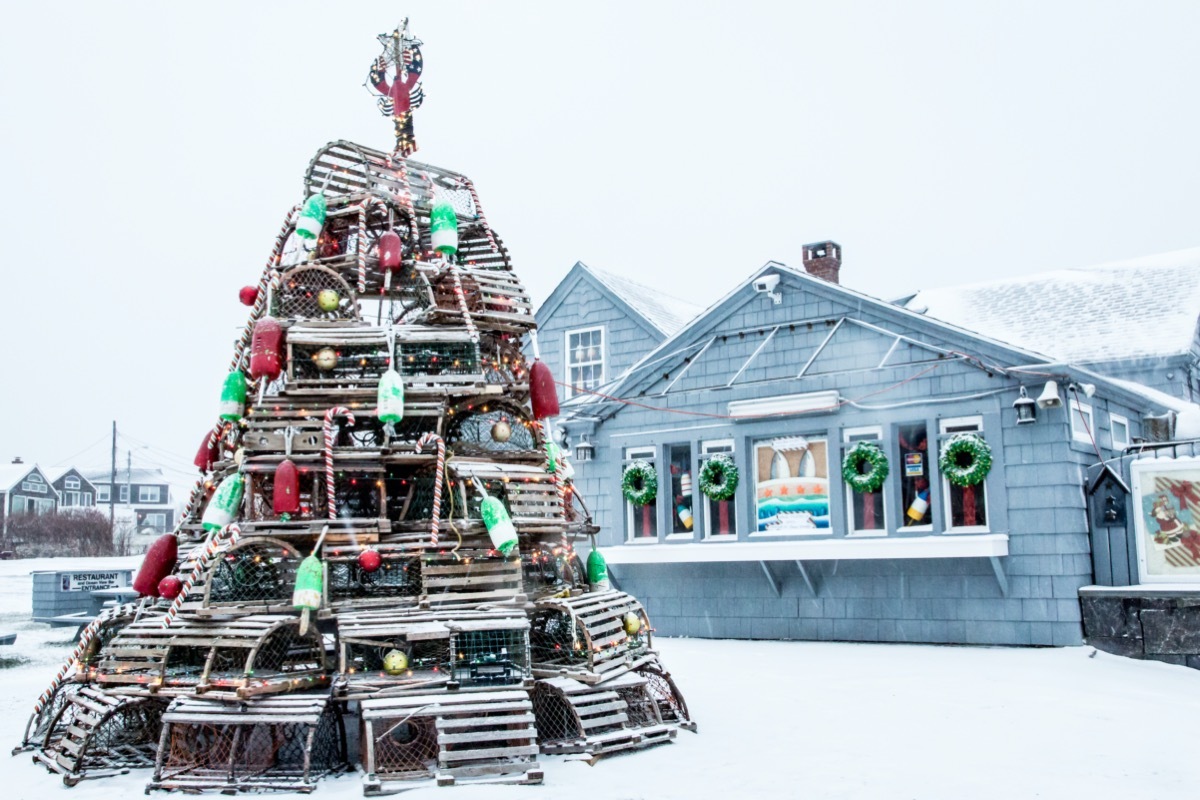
(99, 734)
(486, 737)
(583, 637)
(280, 743)
(617, 715)
(236, 658)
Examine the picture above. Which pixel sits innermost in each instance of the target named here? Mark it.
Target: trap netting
(314, 292)
(489, 657)
(254, 571)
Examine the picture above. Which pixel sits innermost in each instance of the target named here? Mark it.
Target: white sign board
(89, 581)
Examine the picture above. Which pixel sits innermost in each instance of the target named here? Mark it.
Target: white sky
(152, 150)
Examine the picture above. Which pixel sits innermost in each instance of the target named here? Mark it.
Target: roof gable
(11, 475)
(660, 315)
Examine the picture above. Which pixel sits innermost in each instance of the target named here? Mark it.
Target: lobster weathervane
(401, 54)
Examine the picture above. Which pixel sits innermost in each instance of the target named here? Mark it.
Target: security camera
(766, 284)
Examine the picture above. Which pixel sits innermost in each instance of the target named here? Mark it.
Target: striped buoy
(335, 411)
(438, 476)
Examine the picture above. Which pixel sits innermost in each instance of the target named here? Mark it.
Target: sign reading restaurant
(90, 581)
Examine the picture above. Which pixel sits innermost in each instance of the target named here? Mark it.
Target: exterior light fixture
(585, 450)
(1026, 409)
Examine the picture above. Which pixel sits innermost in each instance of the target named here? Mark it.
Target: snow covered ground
(801, 719)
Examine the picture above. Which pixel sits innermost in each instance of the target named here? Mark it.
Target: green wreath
(966, 459)
(719, 478)
(639, 483)
(865, 467)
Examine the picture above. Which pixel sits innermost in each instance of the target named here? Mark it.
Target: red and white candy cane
(406, 200)
(439, 474)
(560, 485)
(487, 229)
(361, 239)
(218, 541)
(461, 296)
(336, 411)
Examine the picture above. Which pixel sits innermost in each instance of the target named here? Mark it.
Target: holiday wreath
(865, 467)
(966, 459)
(639, 483)
(719, 478)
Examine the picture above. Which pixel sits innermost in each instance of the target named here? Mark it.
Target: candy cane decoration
(328, 430)
(439, 474)
(406, 200)
(218, 542)
(560, 485)
(461, 296)
(487, 229)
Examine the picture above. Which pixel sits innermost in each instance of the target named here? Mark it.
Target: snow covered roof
(11, 474)
(664, 312)
(1144, 308)
(136, 475)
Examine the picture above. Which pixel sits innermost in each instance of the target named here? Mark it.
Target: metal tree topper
(402, 54)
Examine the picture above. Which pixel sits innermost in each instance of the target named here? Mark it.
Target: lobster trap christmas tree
(377, 569)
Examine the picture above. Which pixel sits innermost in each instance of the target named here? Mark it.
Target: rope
(72, 662)
(487, 229)
(438, 476)
(218, 541)
(335, 411)
(461, 296)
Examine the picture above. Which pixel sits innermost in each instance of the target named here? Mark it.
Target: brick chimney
(823, 260)
(17, 460)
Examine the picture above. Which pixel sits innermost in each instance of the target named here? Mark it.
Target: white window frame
(947, 513)
(849, 437)
(830, 443)
(43, 506)
(104, 493)
(670, 534)
(709, 448)
(87, 498)
(33, 483)
(1079, 433)
(20, 504)
(144, 494)
(156, 520)
(1113, 421)
(70, 499)
(567, 356)
(123, 493)
(71, 483)
(650, 453)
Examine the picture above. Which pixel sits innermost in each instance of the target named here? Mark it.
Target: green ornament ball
(328, 300)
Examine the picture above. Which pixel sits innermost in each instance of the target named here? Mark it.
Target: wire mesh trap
(254, 575)
(484, 736)
(573, 717)
(350, 585)
(313, 292)
(284, 743)
(97, 734)
(591, 637)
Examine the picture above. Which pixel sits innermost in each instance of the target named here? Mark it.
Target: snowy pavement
(803, 719)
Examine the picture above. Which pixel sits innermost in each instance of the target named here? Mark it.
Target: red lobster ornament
(402, 52)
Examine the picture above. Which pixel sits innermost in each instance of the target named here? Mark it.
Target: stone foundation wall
(1143, 622)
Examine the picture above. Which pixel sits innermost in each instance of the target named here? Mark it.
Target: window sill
(643, 540)
(721, 537)
(681, 537)
(876, 547)
(866, 534)
(974, 530)
(792, 534)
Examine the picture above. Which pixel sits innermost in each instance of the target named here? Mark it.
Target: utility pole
(112, 488)
(128, 477)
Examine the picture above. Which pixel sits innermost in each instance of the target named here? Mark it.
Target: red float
(286, 499)
(370, 560)
(543, 394)
(266, 349)
(170, 587)
(208, 454)
(248, 295)
(158, 564)
(390, 250)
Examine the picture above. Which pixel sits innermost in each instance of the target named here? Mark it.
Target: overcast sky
(152, 150)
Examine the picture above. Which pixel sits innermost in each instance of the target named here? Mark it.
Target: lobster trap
(313, 292)
(620, 714)
(283, 743)
(453, 581)
(483, 427)
(256, 575)
(260, 654)
(591, 637)
(349, 585)
(494, 299)
(451, 737)
(552, 570)
(97, 734)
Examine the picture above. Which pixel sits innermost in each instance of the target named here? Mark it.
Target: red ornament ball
(170, 587)
(248, 295)
(370, 560)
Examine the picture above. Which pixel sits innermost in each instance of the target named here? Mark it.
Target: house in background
(785, 375)
(24, 489)
(142, 498)
(74, 490)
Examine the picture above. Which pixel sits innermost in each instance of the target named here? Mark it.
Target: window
(70, 499)
(864, 510)
(41, 506)
(124, 493)
(102, 493)
(720, 516)
(966, 506)
(33, 484)
(18, 505)
(1119, 431)
(87, 498)
(913, 441)
(641, 521)
(156, 521)
(679, 460)
(71, 483)
(1082, 427)
(148, 494)
(791, 485)
(585, 359)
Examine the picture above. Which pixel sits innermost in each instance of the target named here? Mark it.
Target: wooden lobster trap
(254, 576)
(284, 743)
(314, 292)
(97, 734)
(619, 714)
(395, 583)
(495, 299)
(451, 737)
(244, 657)
(591, 637)
(388, 652)
(528, 493)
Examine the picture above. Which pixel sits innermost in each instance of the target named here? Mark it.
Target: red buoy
(209, 453)
(158, 564)
(248, 295)
(286, 499)
(390, 250)
(543, 394)
(370, 560)
(170, 587)
(266, 349)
